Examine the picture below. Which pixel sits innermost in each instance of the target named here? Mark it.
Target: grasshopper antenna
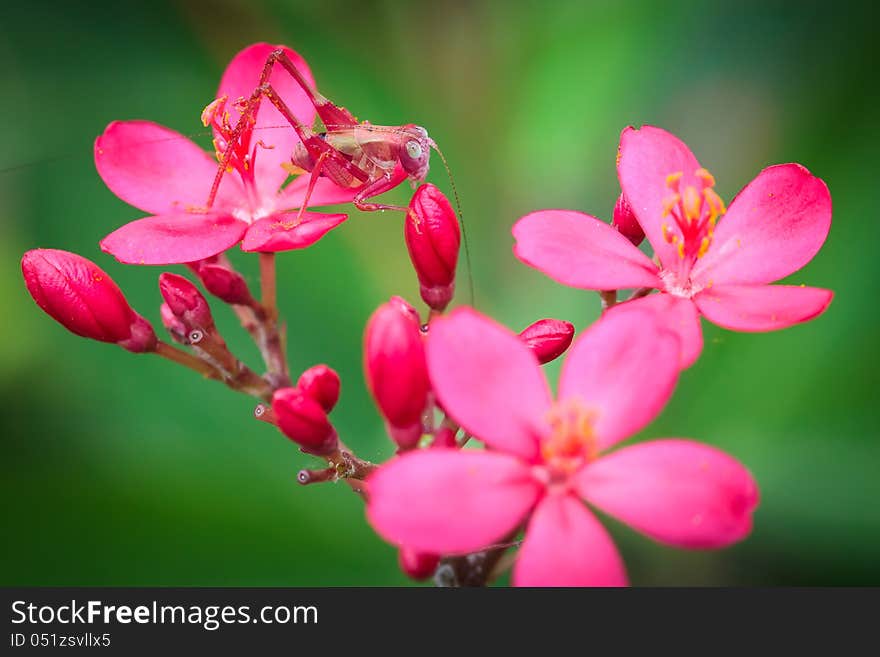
(467, 251)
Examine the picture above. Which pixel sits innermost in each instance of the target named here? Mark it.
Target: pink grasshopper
(350, 153)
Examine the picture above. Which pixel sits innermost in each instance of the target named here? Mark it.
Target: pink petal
(579, 250)
(239, 80)
(624, 367)
(565, 545)
(281, 232)
(678, 492)
(679, 316)
(159, 170)
(488, 380)
(324, 193)
(646, 157)
(173, 238)
(449, 500)
(774, 226)
(761, 307)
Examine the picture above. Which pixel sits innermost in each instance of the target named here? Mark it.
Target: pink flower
(546, 456)
(168, 176)
(773, 227)
(81, 297)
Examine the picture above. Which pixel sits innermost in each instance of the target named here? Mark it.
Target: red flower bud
(143, 337)
(548, 338)
(417, 565)
(224, 283)
(624, 220)
(320, 383)
(407, 309)
(173, 325)
(80, 296)
(433, 238)
(394, 361)
(444, 437)
(186, 302)
(302, 419)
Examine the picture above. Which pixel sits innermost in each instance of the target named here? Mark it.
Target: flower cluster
(446, 382)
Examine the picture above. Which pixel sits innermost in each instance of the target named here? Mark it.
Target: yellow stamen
(704, 246)
(673, 178)
(670, 202)
(681, 250)
(714, 201)
(692, 203)
(211, 110)
(705, 176)
(572, 439)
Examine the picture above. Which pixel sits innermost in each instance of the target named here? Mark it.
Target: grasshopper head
(414, 152)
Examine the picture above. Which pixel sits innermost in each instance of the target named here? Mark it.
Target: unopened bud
(224, 283)
(417, 565)
(624, 220)
(406, 308)
(186, 302)
(142, 338)
(433, 238)
(548, 338)
(444, 437)
(81, 297)
(173, 325)
(394, 360)
(322, 384)
(302, 419)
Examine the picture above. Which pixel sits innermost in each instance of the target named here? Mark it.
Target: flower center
(572, 440)
(690, 215)
(216, 115)
(243, 153)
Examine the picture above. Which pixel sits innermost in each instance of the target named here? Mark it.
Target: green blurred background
(120, 469)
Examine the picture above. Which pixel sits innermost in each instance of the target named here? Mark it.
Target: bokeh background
(120, 469)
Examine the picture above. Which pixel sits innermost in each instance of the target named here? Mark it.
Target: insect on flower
(352, 154)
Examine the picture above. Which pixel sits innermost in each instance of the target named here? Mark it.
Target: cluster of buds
(187, 318)
(85, 300)
(300, 411)
(397, 374)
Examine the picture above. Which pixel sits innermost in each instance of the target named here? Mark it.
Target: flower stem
(475, 569)
(270, 341)
(641, 292)
(181, 357)
(268, 285)
(609, 298)
(239, 377)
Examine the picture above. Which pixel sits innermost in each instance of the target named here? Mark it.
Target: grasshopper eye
(414, 150)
